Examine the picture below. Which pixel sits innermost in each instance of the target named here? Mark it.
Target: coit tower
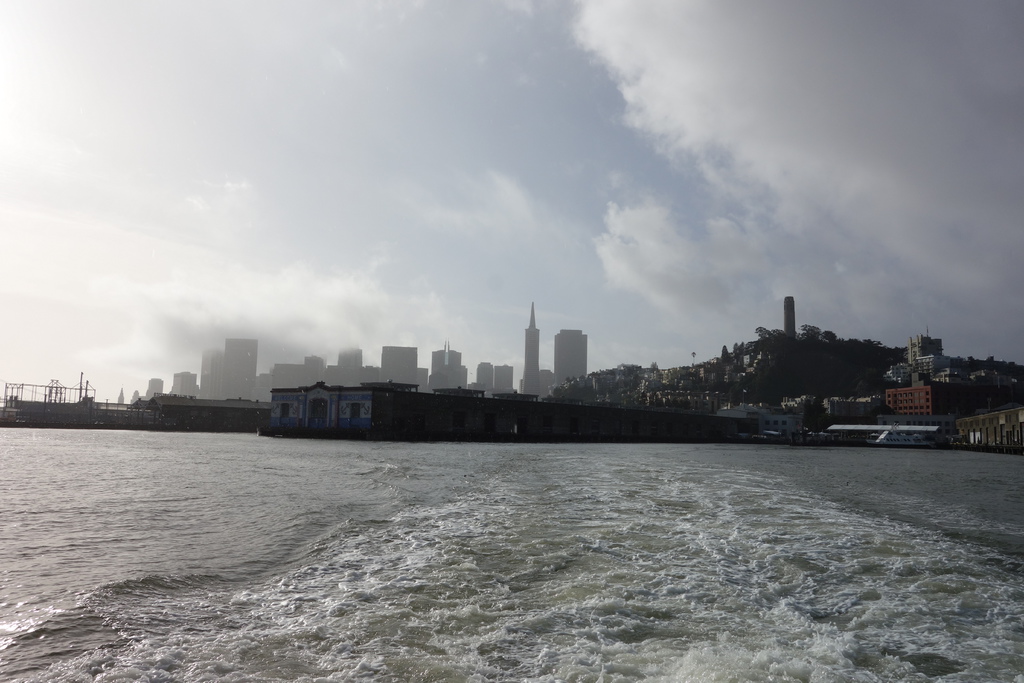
(789, 317)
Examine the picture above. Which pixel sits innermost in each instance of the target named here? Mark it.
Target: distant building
(348, 371)
(350, 358)
(851, 407)
(211, 375)
(307, 373)
(547, 380)
(185, 384)
(447, 370)
(399, 364)
(485, 376)
(570, 355)
(239, 368)
(922, 345)
(264, 383)
(156, 386)
(503, 379)
(789, 317)
(531, 361)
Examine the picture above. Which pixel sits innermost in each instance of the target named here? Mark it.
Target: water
(190, 557)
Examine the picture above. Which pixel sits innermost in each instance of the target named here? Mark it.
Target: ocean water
(132, 556)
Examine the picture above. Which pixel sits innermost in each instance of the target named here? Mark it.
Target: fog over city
(660, 175)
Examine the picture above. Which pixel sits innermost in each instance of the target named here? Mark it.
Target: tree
(816, 418)
(810, 333)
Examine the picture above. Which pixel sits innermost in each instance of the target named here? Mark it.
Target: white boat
(894, 438)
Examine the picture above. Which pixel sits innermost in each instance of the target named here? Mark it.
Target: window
(318, 409)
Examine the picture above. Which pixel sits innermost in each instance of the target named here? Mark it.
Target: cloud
(489, 205)
(851, 144)
(293, 311)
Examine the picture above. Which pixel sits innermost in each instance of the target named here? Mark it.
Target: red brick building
(942, 398)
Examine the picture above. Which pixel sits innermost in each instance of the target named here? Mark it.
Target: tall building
(211, 375)
(239, 368)
(305, 374)
(503, 379)
(350, 358)
(156, 386)
(398, 364)
(185, 384)
(349, 371)
(446, 369)
(531, 360)
(789, 317)
(485, 376)
(570, 355)
(922, 345)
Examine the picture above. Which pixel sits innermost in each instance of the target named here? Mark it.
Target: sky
(659, 174)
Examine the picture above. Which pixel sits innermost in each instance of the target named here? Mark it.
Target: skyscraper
(789, 317)
(485, 375)
(446, 369)
(531, 361)
(570, 355)
(185, 384)
(156, 386)
(398, 364)
(503, 379)
(349, 370)
(239, 368)
(211, 376)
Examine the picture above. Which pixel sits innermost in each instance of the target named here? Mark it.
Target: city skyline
(659, 175)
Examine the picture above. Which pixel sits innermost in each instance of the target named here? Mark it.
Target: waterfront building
(1003, 426)
(570, 355)
(185, 384)
(531, 361)
(239, 368)
(399, 364)
(392, 410)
